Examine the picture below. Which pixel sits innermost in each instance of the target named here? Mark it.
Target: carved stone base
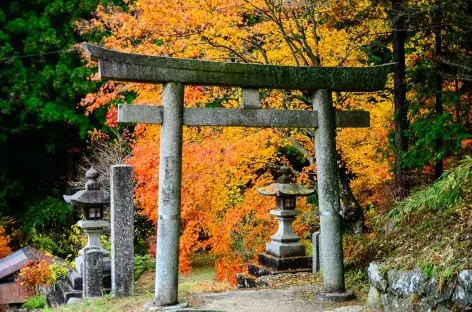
(301, 263)
(279, 249)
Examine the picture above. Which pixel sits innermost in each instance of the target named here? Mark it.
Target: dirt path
(293, 299)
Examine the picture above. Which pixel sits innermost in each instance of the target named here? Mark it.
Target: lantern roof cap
(93, 195)
(284, 186)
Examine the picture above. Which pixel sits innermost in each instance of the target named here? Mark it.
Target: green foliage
(425, 132)
(45, 214)
(35, 302)
(47, 226)
(60, 270)
(40, 119)
(144, 229)
(143, 264)
(429, 270)
(441, 195)
(296, 158)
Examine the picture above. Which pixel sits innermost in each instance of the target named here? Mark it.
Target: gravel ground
(293, 299)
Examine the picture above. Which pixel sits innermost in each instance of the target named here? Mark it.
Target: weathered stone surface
(122, 230)
(406, 283)
(94, 230)
(444, 307)
(53, 299)
(373, 298)
(75, 280)
(250, 98)
(376, 278)
(461, 297)
(93, 272)
(155, 69)
(391, 303)
(422, 306)
(92, 195)
(150, 306)
(328, 194)
(284, 264)
(435, 294)
(315, 251)
(170, 173)
(279, 249)
(411, 291)
(65, 290)
(74, 300)
(464, 279)
(241, 117)
(336, 296)
(258, 270)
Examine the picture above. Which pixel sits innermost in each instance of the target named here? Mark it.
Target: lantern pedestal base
(277, 264)
(94, 230)
(284, 250)
(272, 265)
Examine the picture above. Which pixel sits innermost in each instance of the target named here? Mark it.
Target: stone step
(246, 280)
(53, 299)
(66, 291)
(257, 270)
(296, 264)
(75, 280)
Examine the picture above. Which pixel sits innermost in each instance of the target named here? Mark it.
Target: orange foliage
(36, 274)
(221, 210)
(5, 248)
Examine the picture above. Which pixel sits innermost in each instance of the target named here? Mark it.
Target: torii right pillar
(331, 245)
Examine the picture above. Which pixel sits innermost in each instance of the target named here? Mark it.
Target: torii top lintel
(120, 66)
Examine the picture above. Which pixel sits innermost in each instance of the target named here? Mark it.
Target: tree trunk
(351, 210)
(353, 215)
(439, 167)
(401, 109)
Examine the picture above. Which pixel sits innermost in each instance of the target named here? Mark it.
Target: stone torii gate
(174, 73)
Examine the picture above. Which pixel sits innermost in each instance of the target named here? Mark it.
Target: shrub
(5, 248)
(47, 227)
(143, 264)
(38, 274)
(35, 302)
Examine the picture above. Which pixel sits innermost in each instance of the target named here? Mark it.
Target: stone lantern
(285, 243)
(92, 200)
(284, 253)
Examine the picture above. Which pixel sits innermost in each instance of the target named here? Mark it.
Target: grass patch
(35, 302)
(107, 304)
(202, 279)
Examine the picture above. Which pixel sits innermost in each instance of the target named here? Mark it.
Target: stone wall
(411, 291)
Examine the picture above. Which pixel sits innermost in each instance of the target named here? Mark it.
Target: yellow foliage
(222, 167)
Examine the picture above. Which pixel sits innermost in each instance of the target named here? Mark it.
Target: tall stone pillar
(170, 172)
(331, 248)
(122, 230)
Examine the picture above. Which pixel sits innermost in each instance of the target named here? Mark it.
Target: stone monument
(122, 230)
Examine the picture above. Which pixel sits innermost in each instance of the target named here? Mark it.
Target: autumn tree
(221, 210)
